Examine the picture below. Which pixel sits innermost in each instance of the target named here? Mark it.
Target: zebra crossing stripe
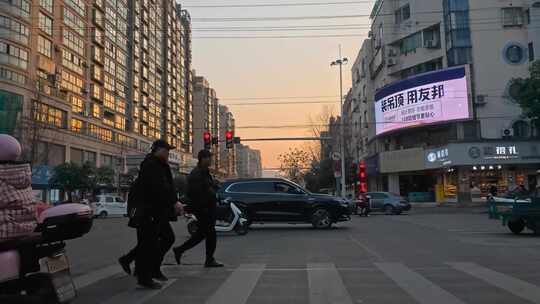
(420, 288)
(514, 286)
(95, 276)
(326, 285)
(138, 296)
(238, 286)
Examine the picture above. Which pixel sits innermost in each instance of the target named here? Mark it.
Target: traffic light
(236, 140)
(215, 141)
(229, 139)
(362, 176)
(207, 140)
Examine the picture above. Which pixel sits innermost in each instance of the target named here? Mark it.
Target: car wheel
(389, 210)
(321, 219)
(516, 226)
(103, 214)
(193, 227)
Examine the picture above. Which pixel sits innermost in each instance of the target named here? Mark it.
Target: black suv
(280, 200)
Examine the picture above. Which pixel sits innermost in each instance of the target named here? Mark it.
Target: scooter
(35, 268)
(234, 220)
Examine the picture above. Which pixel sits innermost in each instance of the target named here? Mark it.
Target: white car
(108, 205)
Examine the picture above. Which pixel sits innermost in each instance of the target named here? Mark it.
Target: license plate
(57, 264)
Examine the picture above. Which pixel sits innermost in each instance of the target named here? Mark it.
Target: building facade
(248, 162)
(93, 81)
(227, 156)
(468, 131)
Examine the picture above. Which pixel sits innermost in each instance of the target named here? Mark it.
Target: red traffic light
(207, 136)
(229, 135)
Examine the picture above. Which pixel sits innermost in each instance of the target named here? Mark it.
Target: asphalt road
(428, 256)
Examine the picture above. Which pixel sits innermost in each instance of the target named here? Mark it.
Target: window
(255, 187)
(13, 30)
(120, 122)
(77, 5)
(109, 199)
(521, 129)
(97, 72)
(514, 53)
(71, 82)
(47, 5)
(512, 16)
(13, 55)
(45, 23)
(49, 115)
(411, 43)
(377, 195)
(76, 125)
(74, 21)
(76, 156)
(73, 42)
(531, 51)
(97, 54)
(286, 188)
(90, 157)
(44, 46)
(23, 7)
(106, 160)
(96, 91)
(12, 76)
(406, 12)
(119, 200)
(77, 105)
(96, 111)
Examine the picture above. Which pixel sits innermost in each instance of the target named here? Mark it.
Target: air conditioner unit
(391, 62)
(84, 91)
(57, 48)
(84, 64)
(507, 132)
(392, 53)
(431, 44)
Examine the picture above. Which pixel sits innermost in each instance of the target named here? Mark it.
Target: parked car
(109, 205)
(280, 200)
(387, 202)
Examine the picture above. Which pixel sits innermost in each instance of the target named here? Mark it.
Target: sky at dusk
(241, 69)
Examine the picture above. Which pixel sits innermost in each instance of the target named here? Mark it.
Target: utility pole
(340, 62)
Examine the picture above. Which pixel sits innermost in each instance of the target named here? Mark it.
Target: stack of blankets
(17, 209)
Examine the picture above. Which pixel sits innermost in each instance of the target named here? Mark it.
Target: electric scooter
(232, 219)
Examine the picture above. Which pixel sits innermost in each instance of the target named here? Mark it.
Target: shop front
(477, 169)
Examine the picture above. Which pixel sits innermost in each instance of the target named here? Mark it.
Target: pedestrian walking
(201, 194)
(155, 209)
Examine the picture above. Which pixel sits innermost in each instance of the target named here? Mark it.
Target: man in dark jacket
(202, 197)
(154, 234)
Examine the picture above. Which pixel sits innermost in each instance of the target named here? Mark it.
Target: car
(387, 202)
(282, 201)
(108, 205)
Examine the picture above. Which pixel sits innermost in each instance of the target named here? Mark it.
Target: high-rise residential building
(203, 98)
(227, 155)
(248, 162)
(434, 107)
(186, 54)
(94, 80)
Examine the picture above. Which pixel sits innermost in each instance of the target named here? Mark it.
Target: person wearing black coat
(154, 233)
(201, 193)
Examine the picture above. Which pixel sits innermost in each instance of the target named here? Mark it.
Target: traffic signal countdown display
(207, 140)
(362, 177)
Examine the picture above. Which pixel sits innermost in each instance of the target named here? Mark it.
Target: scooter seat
(33, 238)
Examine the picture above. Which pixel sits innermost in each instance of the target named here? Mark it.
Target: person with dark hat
(201, 193)
(157, 198)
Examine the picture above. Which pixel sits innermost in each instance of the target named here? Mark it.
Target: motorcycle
(35, 268)
(230, 218)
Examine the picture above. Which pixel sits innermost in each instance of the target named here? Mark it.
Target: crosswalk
(317, 283)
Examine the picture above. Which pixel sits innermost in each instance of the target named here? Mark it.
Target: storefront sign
(41, 175)
(426, 99)
(402, 160)
(483, 154)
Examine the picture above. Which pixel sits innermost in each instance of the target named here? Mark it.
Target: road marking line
(370, 251)
(238, 286)
(95, 276)
(138, 296)
(420, 288)
(514, 286)
(326, 285)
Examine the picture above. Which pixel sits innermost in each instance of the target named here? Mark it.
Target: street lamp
(341, 62)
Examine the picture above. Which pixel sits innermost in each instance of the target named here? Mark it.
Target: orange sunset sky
(241, 69)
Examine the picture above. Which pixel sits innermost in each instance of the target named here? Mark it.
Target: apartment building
(248, 162)
(434, 108)
(227, 156)
(93, 81)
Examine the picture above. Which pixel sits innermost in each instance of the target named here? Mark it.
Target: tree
(526, 91)
(295, 163)
(69, 177)
(98, 177)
